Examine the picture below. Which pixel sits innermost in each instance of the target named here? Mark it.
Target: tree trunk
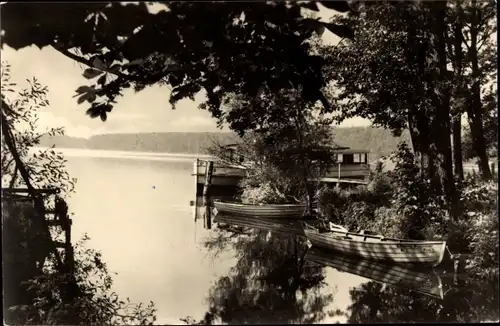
(474, 110)
(304, 169)
(441, 131)
(419, 122)
(479, 142)
(419, 125)
(457, 147)
(457, 63)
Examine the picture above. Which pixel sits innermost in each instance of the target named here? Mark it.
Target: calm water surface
(137, 213)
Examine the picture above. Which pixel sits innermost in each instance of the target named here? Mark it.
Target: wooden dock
(55, 216)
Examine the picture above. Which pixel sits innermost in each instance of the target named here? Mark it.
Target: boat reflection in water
(283, 226)
(424, 281)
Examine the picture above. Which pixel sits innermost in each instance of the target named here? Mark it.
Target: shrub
(359, 215)
(484, 245)
(352, 208)
(92, 302)
(390, 223)
(478, 195)
(262, 194)
(331, 204)
(380, 185)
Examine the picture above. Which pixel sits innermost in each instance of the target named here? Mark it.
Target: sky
(145, 111)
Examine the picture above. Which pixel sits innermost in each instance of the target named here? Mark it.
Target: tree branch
(153, 78)
(14, 177)
(466, 41)
(481, 41)
(84, 61)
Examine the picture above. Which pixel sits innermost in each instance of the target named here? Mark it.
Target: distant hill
(379, 141)
(159, 142)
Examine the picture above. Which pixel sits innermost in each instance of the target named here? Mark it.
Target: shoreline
(87, 152)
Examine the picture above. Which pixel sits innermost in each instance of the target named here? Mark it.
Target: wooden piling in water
(195, 173)
(208, 217)
(209, 167)
(208, 182)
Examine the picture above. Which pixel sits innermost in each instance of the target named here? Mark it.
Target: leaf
(311, 5)
(82, 98)
(134, 62)
(93, 112)
(91, 96)
(115, 68)
(102, 80)
(90, 73)
(320, 29)
(103, 116)
(340, 6)
(84, 89)
(99, 64)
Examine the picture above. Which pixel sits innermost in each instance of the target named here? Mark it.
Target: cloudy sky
(146, 111)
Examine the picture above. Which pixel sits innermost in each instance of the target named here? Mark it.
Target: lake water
(137, 213)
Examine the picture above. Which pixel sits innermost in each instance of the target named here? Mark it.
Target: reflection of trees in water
(476, 300)
(268, 284)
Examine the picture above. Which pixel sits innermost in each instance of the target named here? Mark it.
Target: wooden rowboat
(419, 280)
(285, 211)
(377, 247)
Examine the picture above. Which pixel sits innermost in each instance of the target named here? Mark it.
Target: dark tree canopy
(220, 47)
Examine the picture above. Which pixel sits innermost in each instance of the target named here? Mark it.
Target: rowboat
(282, 211)
(423, 281)
(376, 247)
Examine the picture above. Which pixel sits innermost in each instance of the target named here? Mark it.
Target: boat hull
(266, 211)
(378, 248)
(423, 281)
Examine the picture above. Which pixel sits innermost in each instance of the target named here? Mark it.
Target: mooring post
(206, 194)
(458, 267)
(196, 166)
(208, 217)
(208, 182)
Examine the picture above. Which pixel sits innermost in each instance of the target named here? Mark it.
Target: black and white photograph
(249, 162)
